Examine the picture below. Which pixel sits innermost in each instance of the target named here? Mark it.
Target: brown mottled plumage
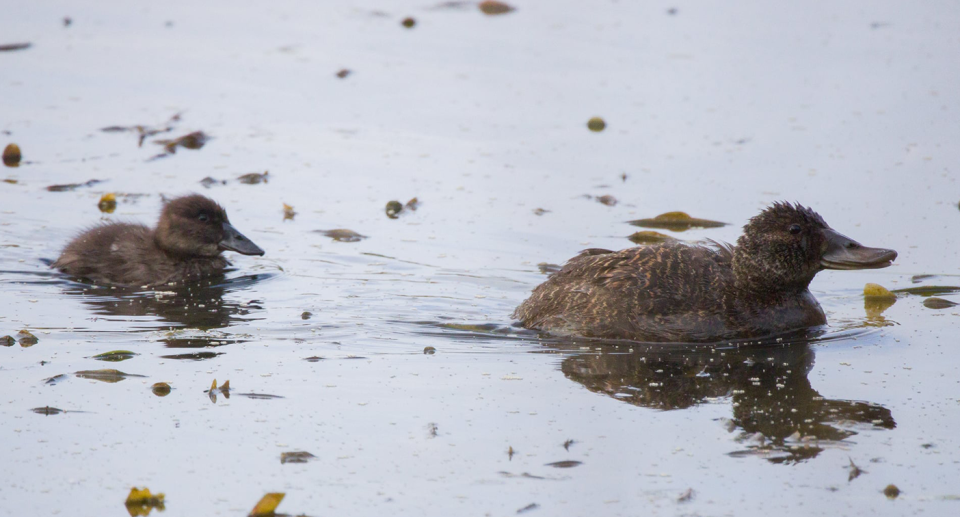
(679, 293)
(186, 245)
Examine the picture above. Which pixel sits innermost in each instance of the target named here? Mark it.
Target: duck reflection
(778, 414)
(199, 305)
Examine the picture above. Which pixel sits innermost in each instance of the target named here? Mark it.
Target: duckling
(185, 246)
(675, 292)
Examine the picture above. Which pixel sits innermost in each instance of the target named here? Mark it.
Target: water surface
(717, 110)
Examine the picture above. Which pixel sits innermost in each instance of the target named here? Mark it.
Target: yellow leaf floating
(877, 299)
(267, 505)
(11, 155)
(26, 339)
(493, 7)
(161, 389)
(676, 221)
(877, 291)
(649, 237)
(141, 501)
(105, 375)
(596, 124)
(288, 212)
(108, 203)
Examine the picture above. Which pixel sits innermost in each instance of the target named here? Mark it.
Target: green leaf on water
(115, 355)
(676, 221)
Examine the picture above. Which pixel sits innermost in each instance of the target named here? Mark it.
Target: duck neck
(767, 277)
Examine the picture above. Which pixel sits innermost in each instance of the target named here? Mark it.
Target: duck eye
(203, 217)
(795, 229)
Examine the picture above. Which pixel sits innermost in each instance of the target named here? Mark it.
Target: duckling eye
(795, 229)
(203, 217)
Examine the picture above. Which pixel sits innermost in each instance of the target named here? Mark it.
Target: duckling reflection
(778, 413)
(200, 305)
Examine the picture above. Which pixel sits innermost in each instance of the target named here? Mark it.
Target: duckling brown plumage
(186, 245)
(681, 293)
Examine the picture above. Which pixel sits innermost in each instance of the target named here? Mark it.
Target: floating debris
(56, 379)
(930, 290)
(938, 303)
(877, 291)
(67, 21)
(596, 124)
(429, 350)
(107, 203)
(140, 501)
(47, 410)
(650, 237)
(676, 221)
(144, 132)
(253, 178)
(14, 46)
(160, 389)
(7, 341)
(453, 5)
(193, 141)
(72, 186)
(209, 182)
(305, 315)
(916, 279)
(267, 505)
(26, 339)
(891, 491)
(288, 212)
(343, 73)
(686, 496)
(260, 396)
(565, 464)
(408, 23)
(224, 390)
(295, 457)
(11, 155)
(527, 508)
(393, 209)
(342, 235)
(106, 375)
(540, 211)
(510, 453)
(196, 356)
(313, 359)
(855, 471)
(547, 268)
(492, 7)
(115, 356)
(607, 200)
(567, 444)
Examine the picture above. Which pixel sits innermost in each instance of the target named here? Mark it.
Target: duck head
(196, 226)
(786, 245)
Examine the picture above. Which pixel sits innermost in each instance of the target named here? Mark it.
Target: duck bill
(235, 241)
(842, 252)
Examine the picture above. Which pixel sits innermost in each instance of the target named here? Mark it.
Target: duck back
(127, 254)
(665, 293)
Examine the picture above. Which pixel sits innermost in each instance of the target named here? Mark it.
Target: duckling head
(196, 226)
(786, 245)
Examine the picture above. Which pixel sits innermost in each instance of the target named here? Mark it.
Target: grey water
(393, 360)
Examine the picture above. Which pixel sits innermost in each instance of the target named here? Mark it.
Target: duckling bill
(185, 246)
(674, 292)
